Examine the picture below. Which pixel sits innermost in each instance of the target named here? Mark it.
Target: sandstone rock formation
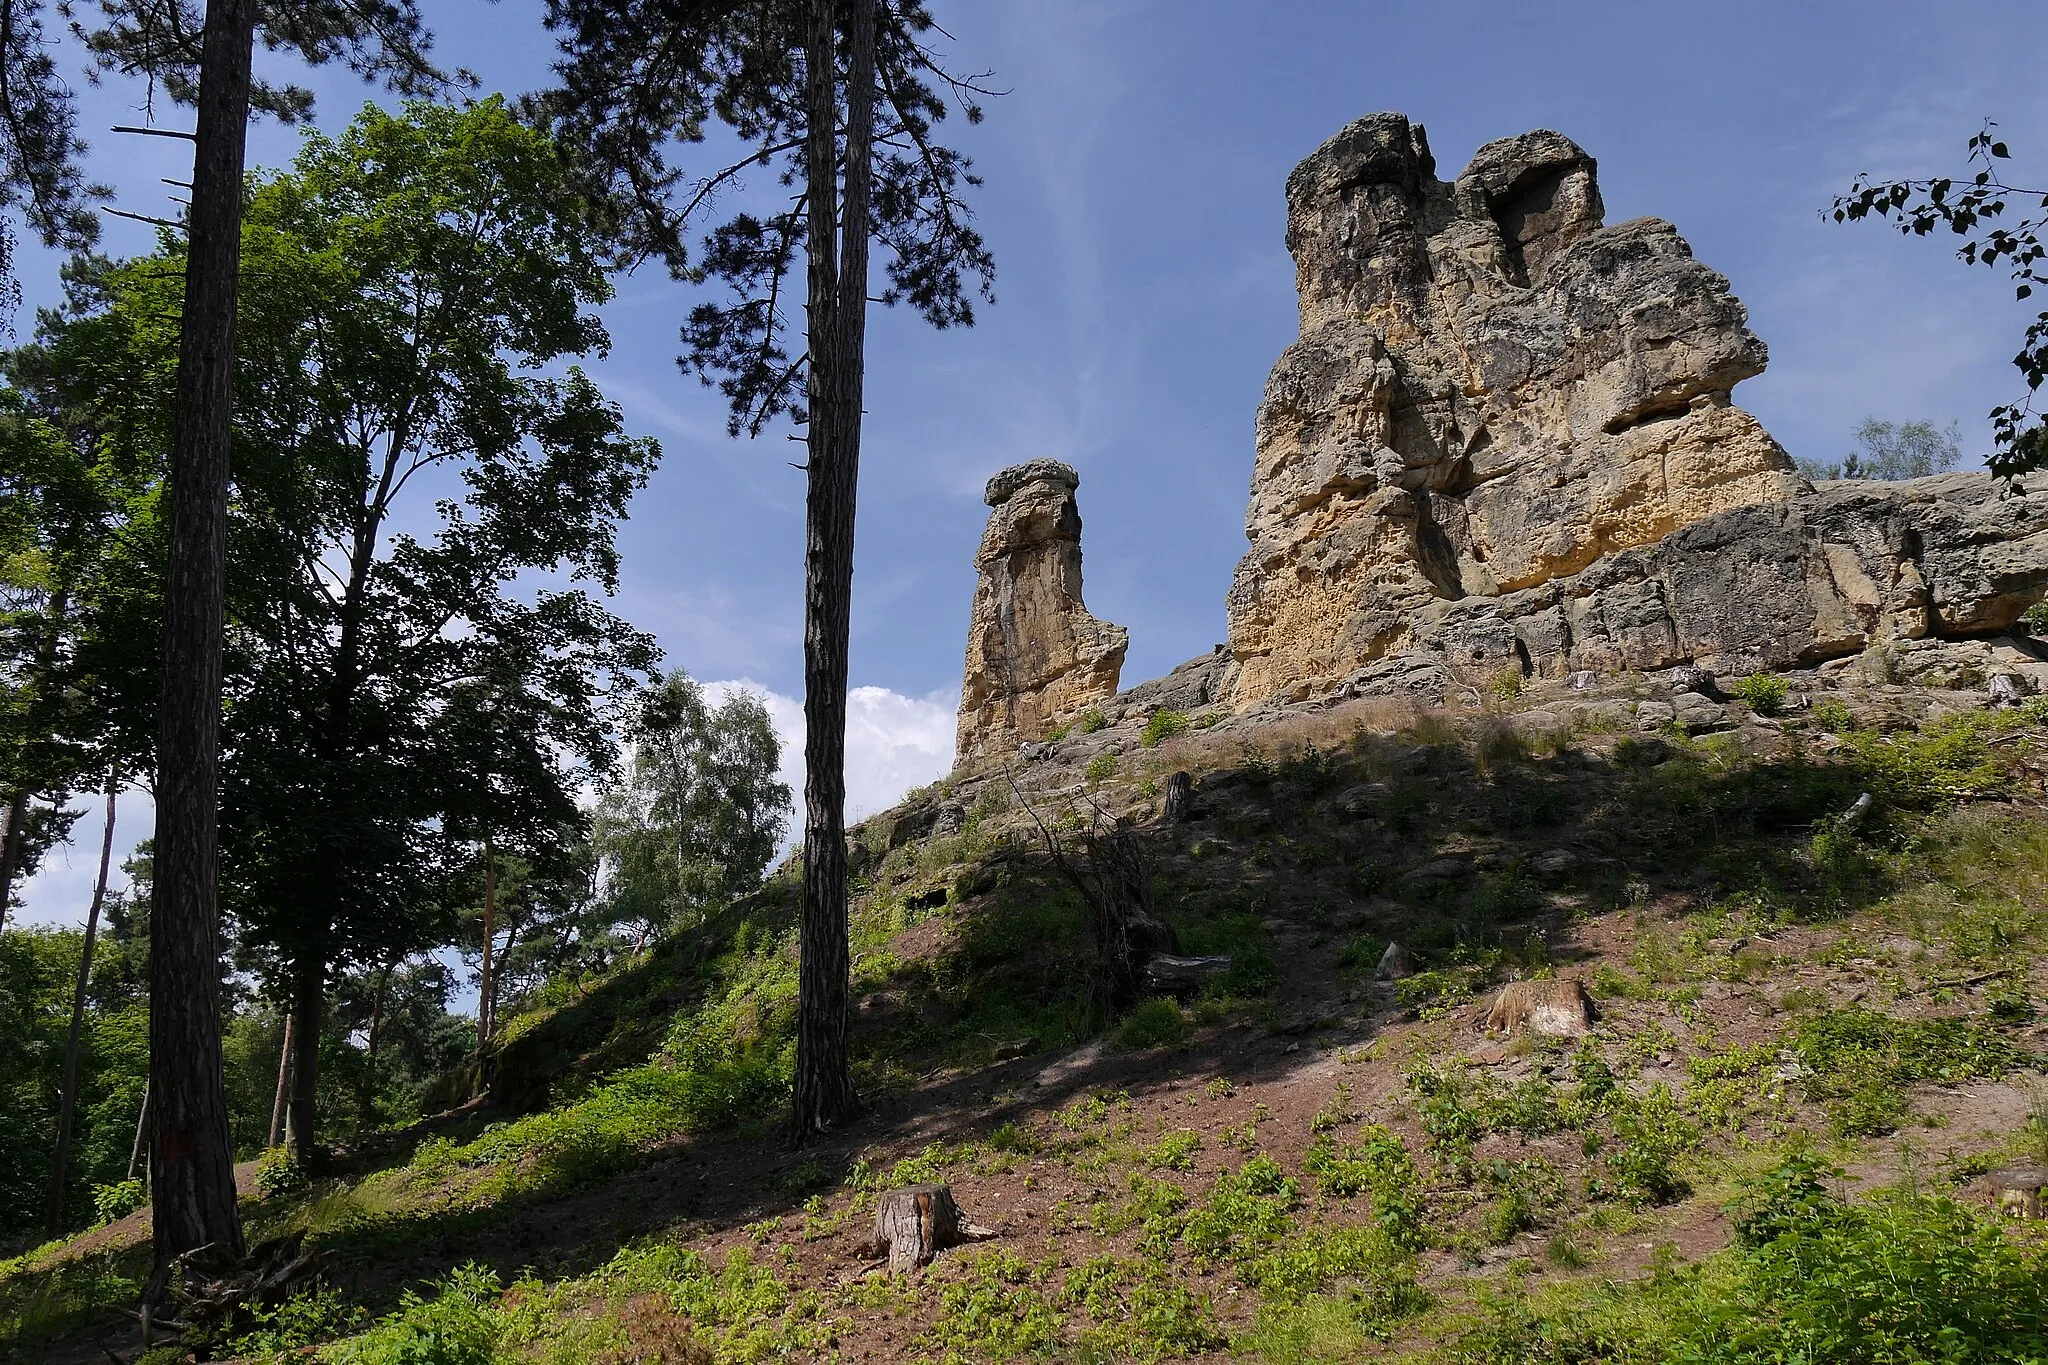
(1035, 658)
(1491, 392)
(1839, 569)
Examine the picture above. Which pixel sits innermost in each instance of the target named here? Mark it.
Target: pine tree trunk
(284, 1071)
(67, 1100)
(837, 243)
(194, 1185)
(308, 1010)
(366, 1097)
(485, 995)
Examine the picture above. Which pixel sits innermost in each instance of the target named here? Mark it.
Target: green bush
(1245, 1212)
(118, 1200)
(1100, 768)
(304, 1319)
(1833, 715)
(1158, 1022)
(462, 1325)
(1811, 1280)
(1162, 726)
(1765, 693)
(1092, 720)
(278, 1173)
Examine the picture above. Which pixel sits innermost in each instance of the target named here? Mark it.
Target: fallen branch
(1977, 980)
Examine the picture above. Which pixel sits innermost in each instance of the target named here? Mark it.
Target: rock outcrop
(1492, 392)
(1835, 571)
(1035, 658)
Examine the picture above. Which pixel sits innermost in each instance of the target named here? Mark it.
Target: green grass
(1813, 1278)
(1161, 726)
(1860, 1062)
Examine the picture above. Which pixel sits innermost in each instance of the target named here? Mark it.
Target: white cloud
(61, 889)
(893, 742)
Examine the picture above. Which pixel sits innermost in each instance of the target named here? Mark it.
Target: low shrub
(1162, 726)
(1157, 1022)
(1859, 1062)
(1765, 693)
(118, 1200)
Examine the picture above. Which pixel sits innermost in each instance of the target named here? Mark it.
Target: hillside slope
(1797, 1017)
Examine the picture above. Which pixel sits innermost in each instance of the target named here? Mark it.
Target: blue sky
(1133, 202)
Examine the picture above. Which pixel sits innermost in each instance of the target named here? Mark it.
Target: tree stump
(1557, 1008)
(916, 1223)
(1180, 794)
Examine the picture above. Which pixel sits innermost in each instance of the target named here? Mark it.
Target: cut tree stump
(916, 1223)
(1180, 796)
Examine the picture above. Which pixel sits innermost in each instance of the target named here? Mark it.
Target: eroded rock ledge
(1036, 658)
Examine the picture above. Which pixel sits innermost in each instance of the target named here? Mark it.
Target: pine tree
(838, 100)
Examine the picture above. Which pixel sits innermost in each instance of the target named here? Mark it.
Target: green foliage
(1157, 1022)
(1245, 1212)
(1509, 895)
(1506, 684)
(1101, 768)
(707, 1082)
(1092, 720)
(1833, 715)
(1765, 693)
(1893, 450)
(311, 1318)
(1161, 726)
(278, 1173)
(1897, 1279)
(1641, 1166)
(1945, 761)
(118, 1200)
(1859, 1062)
(1175, 1151)
(1377, 1273)
(2035, 618)
(1972, 206)
(1000, 1312)
(460, 1325)
(1376, 1163)
(1812, 1279)
(695, 818)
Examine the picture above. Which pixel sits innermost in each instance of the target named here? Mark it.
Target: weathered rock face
(1491, 392)
(1035, 657)
(1835, 571)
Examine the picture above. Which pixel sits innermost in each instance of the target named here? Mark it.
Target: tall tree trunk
(284, 1071)
(194, 1188)
(141, 1127)
(837, 315)
(485, 995)
(67, 1100)
(498, 976)
(309, 1006)
(366, 1097)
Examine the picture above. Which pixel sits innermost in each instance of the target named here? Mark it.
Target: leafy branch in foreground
(1974, 210)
